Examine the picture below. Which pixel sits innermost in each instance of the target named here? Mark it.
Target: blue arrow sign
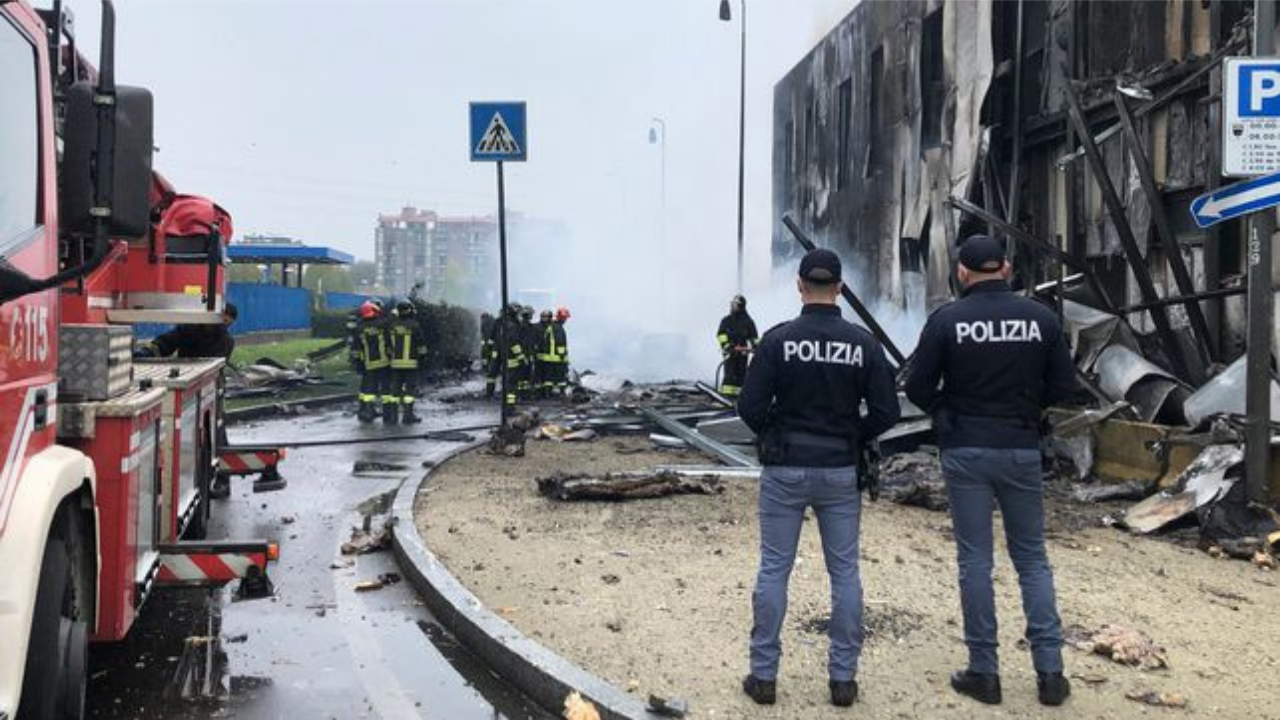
(1233, 201)
(498, 132)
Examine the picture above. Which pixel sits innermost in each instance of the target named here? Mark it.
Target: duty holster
(869, 469)
(771, 446)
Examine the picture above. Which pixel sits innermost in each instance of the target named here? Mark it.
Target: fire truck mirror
(125, 148)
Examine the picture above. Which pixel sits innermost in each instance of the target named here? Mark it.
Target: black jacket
(804, 388)
(196, 341)
(736, 329)
(1001, 359)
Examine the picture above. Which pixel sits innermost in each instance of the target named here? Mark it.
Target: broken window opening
(933, 88)
(874, 122)
(846, 120)
(807, 152)
(789, 161)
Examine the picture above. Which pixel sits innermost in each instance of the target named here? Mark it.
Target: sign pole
(1261, 309)
(507, 327)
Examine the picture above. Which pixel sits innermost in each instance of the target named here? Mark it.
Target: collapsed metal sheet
(1225, 394)
(1125, 375)
(1092, 331)
(1204, 481)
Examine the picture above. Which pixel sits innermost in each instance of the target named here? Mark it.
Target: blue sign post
(498, 134)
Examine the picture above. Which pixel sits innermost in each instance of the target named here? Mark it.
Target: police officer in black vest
(1001, 359)
(801, 397)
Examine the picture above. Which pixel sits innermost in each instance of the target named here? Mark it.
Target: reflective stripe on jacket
(372, 345)
(406, 344)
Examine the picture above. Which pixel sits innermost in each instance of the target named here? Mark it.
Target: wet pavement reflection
(319, 648)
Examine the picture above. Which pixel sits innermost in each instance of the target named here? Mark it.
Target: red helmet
(562, 313)
(369, 310)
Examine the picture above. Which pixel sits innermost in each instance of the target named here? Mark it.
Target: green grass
(333, 369)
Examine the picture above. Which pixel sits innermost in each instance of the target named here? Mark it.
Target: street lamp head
(724, 11)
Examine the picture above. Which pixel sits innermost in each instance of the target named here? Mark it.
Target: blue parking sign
(1250, 116)
(498, 132)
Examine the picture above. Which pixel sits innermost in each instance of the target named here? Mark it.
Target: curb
(254, 412)
(530, 667)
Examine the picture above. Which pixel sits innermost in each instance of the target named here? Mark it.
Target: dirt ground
(654, 596)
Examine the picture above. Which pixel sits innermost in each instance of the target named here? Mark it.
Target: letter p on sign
(1260, 91)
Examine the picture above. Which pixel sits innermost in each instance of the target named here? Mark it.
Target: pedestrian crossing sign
(498, 132)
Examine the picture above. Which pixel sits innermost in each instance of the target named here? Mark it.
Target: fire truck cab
(106, 462)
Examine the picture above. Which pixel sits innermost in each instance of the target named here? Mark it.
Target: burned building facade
(1088, 127)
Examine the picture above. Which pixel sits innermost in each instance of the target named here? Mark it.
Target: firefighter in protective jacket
(737, 337)
(407, 348)
(371, 359)
(554, 353)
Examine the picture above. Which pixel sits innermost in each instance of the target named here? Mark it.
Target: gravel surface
(654, 596)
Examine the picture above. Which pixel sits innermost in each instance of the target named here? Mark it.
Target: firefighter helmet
(405, 308)
(545, 316)
(562, 313)
(739, 303)
(370, 309)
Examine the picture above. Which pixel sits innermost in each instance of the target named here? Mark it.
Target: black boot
(390, 414)
(269, 481)
(409, 418)
(763, 692)
(843, 693)
(365, 413)
(220, 488)
(1053, 688)
(979, 686)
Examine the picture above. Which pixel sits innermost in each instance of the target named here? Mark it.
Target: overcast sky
(309, 118)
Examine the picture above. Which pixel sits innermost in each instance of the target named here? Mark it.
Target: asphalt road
(318, 648)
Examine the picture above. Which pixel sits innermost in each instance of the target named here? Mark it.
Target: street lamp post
(726, 16)
(661, 140)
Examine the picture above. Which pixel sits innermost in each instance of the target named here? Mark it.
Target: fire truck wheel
(55, 679)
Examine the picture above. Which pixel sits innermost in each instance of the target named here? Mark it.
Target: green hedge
(329, 323)
(452, 334)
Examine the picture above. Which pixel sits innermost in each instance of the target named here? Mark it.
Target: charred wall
(903, 104)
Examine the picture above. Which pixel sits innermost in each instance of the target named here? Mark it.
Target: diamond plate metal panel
(95, 362)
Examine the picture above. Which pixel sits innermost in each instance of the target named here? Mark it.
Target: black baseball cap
(981, 253)
(820, 266)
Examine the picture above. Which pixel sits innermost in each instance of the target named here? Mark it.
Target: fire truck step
(213, 564)
(248, 460)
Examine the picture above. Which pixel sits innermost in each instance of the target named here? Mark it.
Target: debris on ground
(575, 708)
(1104, 492)
(1264, 560)
(1203, 482)
(1121, 644)
(617, 487)
(914, 478)
(565, 433)
(507, 441)
(1167, 699)
(363, 542)
(375, 466)
(668, 707)
(369, 585)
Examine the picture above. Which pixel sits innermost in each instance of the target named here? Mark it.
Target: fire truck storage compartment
(190, 412)
(122, 436)
(95, 362)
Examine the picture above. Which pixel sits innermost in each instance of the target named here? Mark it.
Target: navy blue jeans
(833, 494)
(1013, 478)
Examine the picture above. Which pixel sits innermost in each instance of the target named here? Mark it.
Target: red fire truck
(106, 461)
